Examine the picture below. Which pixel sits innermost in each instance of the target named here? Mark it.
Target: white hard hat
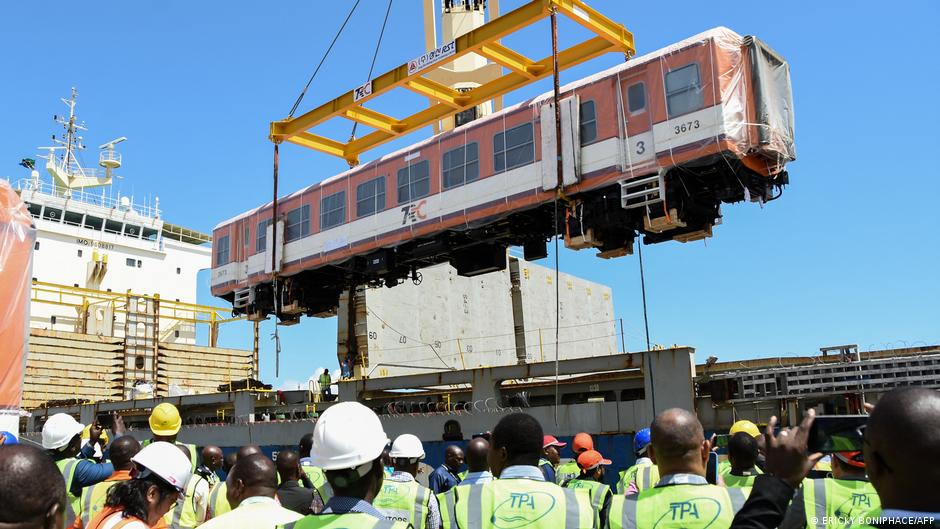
(167, 461)
(347, 435)
(408, 446)
(59, 431)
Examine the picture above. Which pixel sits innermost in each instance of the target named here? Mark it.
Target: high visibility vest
(183, 515)
(677, 506)
(463, 475)
(518, 503)
(108, 512)
(732, 480)
(597, 491)
(646, 476)
(193, 460)
(724, 468)
(349, 520)
(93, 498)
(566, 471)
(67, 467)
(218, 503)
(318, 478)
(830, 500)
(543, 463)
(405, 501)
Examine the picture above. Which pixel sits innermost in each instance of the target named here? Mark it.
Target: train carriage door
(570, 143)
(638, 146)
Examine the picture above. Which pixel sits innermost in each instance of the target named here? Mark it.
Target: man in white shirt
(250, 489)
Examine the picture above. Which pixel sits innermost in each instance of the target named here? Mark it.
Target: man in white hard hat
(157, 485)
(348, 441)
(402, 498)
(61, 437)
(250, 489)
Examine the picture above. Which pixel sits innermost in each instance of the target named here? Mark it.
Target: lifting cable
(375, 55)
(559, 193)
(647, 363)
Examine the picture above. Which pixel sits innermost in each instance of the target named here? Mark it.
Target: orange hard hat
(550, 440)
(582, 442)
(855, 458)
(591, 459)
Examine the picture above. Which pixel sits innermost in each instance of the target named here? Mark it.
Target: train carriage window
(221, 251)
(261, 240)
(588, 122)
(332, 210)
(370, 197)
(513, 148)
(461, 165)
(298, 224)
(636, 98)
(684, 90)
(414, 182)
(93, 223)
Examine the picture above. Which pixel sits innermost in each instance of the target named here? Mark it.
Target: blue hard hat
(641, 440)
(6, 438)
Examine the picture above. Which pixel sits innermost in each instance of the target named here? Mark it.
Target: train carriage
(652, 146)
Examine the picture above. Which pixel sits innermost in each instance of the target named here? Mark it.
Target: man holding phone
(846, 495)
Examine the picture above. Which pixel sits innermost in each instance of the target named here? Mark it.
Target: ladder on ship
(140, 343)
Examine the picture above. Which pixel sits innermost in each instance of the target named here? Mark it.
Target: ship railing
(402, 408)
(101, 198)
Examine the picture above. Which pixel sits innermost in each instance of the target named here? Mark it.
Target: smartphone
(711, 468)
(836, 433)
(105, 420)
(721, 441)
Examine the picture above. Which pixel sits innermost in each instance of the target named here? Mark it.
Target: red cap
(582, 442)
(549, 440)
(855, 459)
(591, 459)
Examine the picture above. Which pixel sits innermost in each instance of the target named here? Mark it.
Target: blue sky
(848, 255)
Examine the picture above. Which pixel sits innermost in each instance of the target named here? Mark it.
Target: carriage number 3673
(687, 126)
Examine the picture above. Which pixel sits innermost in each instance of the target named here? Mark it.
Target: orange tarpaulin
(17, 236)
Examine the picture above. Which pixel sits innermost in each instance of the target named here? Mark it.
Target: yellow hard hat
(86, 434)
(165, 420)
(745, 426)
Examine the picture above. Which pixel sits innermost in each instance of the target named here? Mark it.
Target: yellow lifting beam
(611, 37)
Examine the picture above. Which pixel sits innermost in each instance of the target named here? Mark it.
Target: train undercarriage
(681, 204)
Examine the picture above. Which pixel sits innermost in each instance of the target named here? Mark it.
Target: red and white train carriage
(654, 145)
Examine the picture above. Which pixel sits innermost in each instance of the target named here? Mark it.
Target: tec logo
(522, 509)
(413, 213)
(695, 513)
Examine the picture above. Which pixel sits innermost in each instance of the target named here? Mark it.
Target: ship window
(684, 90)
(79, 253)
(131, 231)
(111, 226)
(93, 223)
(34, 209)
(73, 219)
(52, 214)
(298, 223)
(461, 165)
(414, 182)
(150, 234)
(588, 122)
(139, 263)
(221, 251)
(261, 239)
(370, 197)
(130, 262)
(636, 98)
(513, 148)
(36, 246)
(139, 361)
(332, 210)
(177, 270)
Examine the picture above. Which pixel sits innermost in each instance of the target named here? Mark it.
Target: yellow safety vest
(677, 506)
(67, 467)
(732, 480)
(405, 501)
(93, 498)
(646, 476)
(511, 503)
(218, 503)
(566, 471)
(597, 491)
(183, 515)
(349, 520)
(318, 478)
(724, 468)
(837, 502)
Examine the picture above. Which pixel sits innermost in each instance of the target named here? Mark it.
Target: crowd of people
(348, 474)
